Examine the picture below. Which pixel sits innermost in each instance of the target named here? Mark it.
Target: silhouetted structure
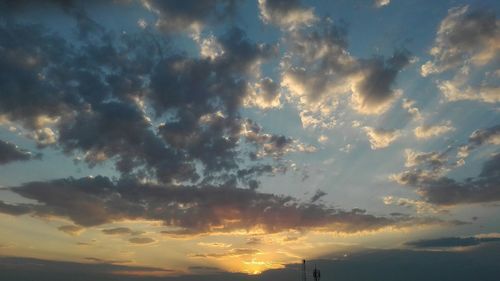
(316, 274)
(304, 275)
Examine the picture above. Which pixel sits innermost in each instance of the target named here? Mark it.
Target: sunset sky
(229, 140)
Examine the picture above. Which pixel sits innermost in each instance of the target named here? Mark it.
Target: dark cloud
(191, 210)
(21, 269)
(441, 190)
(449, 242)
(204, 269)
(15, 210)
(117, 230)
(25, 55)
(483, 188)
(482, 136)
(317, 195)
(104, 261)
(9, 152)
(427, 173)
(374, 91)
(141, 240)
(98, 100)
(271, 145)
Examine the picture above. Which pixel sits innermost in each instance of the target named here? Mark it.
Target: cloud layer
(190, 210)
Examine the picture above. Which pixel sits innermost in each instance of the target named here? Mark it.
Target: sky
(229, 140)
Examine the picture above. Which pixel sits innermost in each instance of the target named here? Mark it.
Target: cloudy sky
(228, 140)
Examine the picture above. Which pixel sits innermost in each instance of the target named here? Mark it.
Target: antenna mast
(316, 274)
(304, 275)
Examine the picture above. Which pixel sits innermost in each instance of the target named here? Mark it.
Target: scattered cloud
(464, 35)
(421, 207)
(264, 94)
(117, 230)
(427, 132)
(287, 14)
(382, 3)
(427, 173)
(190, 15)
(317, 195)
(141, 240)
(409, 105)
(318, 69)
(381, 138)
(72, 230)
(9, 152)
(466, 40)
(451, 242)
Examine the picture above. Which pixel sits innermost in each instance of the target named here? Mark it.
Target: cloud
(467, 40)
(141, 240)
(30, 268)
(14, 209)
(479, 138)
(9, 152)
(151, 111)
(190, 210)
(317, 195)
(477, 263)
(232, 253)
(373, 93)
(432, 159)
(264, 95)
(72, 230)
(458, 88)
(204, 269)
(412, 110)
(450, 242)
(381, 3)
(272, 145)
(485, 136)
(464, 35)
(427, 132)
(288, 15)
(117, 230)
(215, 245)
(427, 172)
(190, 15)
(103, 261)
(420, 206)
(440, 190)
(318, 69)
(381, 138)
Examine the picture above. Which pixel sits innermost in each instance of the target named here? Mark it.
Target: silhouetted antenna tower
(316, 274)
(304, 275)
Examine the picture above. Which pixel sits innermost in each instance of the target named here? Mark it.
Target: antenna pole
(304, 275)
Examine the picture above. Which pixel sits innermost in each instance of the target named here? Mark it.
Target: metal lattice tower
(304, 275)
(316, 274)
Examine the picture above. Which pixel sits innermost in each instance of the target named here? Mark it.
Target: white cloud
(381, 3)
